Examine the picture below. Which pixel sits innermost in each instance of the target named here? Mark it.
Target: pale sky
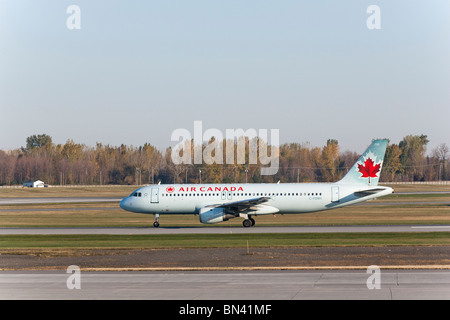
(138, 70)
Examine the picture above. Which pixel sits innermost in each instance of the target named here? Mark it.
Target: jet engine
(214, 215)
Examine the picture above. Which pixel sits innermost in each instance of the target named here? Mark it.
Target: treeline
(74, 163)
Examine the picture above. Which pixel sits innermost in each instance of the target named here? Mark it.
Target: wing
(240, 206)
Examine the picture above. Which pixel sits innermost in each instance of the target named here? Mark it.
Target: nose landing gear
(156, 223)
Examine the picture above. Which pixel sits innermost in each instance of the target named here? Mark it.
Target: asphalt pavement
(370, 284)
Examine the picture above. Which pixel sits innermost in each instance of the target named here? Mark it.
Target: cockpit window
(136, 194)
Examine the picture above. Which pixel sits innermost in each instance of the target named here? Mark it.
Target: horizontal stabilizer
(368, 192)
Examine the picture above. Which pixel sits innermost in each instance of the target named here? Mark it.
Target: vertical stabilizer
(366, 171)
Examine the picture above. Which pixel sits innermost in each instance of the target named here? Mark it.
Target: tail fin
(366, 171)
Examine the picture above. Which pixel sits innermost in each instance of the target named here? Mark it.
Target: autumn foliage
(74, 163)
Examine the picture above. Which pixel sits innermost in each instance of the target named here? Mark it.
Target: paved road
(253, 285)
(225, 230)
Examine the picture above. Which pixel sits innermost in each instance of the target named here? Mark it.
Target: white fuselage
(284, 198)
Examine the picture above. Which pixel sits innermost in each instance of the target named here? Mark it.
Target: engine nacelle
(214, 215)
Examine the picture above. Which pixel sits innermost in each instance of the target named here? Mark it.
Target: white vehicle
(220, 202)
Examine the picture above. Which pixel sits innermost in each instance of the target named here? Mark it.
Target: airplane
(216, 203)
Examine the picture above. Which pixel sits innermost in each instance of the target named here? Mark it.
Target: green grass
(221, 240)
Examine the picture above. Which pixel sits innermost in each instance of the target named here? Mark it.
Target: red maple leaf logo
(369, 170)
(170, 189)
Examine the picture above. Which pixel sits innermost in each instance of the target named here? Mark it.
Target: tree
(151, 160)
(35, 142)
(330, 157)
(412, 157)
(441, 153)
(392, 163)
(72, 151)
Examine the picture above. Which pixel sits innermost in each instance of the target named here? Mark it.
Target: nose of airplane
(123, 203)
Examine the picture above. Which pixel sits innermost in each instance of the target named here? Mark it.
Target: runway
(47, 200)
(232, 287)
(225, 230)
(12, 201)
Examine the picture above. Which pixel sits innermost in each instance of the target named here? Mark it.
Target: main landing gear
(247, 223)
(156, 223)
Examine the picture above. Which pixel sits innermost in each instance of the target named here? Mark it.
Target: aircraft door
(155, 195)
(335, 194)
(230, 195)
(224, 195)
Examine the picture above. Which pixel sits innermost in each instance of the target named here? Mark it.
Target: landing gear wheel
(156, 223)
(252, 220)
(247, 223)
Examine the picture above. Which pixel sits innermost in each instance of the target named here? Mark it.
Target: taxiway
(227, 230)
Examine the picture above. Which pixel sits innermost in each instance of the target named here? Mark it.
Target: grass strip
(223, 240)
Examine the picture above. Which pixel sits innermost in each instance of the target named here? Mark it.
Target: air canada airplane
(220, 202)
